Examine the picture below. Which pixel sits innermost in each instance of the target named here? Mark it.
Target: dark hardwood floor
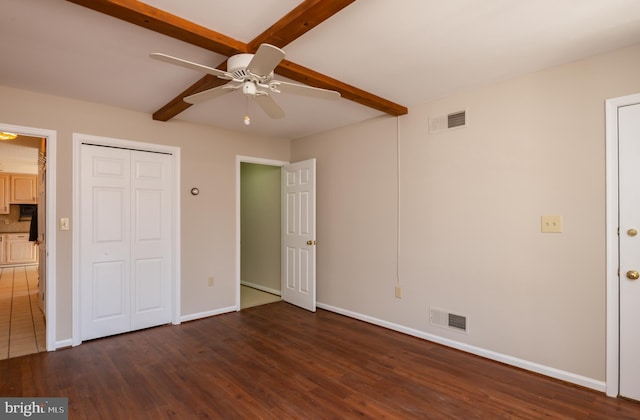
(277, 361)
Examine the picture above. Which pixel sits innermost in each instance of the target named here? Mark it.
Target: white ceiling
(406, 51)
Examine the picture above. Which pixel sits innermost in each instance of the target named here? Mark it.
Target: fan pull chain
(247, 120)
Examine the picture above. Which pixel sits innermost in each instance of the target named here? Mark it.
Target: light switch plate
(551, 224)
(64, 223)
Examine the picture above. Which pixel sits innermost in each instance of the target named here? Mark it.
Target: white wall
(208, 162)
(470, 207)
(470, 203)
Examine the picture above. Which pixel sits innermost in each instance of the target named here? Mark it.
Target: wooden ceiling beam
(157, 20)
(308, 15)
(177, 104)
(313, 78)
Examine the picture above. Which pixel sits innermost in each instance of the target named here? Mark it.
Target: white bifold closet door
(125, 234)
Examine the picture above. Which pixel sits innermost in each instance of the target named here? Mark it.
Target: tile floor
(22, 324)
(250, 297)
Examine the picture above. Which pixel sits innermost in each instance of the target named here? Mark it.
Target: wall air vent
(448, 320)
(457, 119)
(458, 322)
(450, 121)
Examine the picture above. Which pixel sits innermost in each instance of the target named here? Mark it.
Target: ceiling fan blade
(190, 65)
(265, 60)
(210, 93)
(269, 106)
(303, 90)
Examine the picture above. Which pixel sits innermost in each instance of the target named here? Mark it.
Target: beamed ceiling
(385, 57)
(294, 24)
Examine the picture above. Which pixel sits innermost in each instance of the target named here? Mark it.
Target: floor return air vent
(442, 318)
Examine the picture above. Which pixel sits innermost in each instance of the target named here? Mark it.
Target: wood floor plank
(277, 361)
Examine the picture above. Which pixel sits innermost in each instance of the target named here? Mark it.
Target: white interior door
(125, 225)
(298, 234)
(151, 239)
(629, 210)
(105, 226)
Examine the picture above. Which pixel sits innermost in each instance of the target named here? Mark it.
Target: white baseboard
(503, 358)
(64, 343)
(260, 287)
(184, 318)
(199, 315)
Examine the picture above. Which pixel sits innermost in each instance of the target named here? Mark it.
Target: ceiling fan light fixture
(4, 135)
(253, 74)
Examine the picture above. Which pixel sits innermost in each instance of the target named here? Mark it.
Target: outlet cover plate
(551, 224)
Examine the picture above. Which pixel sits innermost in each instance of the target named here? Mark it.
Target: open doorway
(22, 261)
(259, 217)
(259, 234)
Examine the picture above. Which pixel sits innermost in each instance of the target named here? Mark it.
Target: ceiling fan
(253, 73)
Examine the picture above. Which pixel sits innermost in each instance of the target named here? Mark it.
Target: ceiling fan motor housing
(237, 65)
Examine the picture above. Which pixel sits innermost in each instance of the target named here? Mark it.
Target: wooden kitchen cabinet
(4, 194)
(18, 249)
(24, 189)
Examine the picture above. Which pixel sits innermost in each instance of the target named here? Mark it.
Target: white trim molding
(207, 314)
(478, 351)
(51, 217)
(261, 287)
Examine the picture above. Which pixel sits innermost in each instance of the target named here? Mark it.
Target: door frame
(50, 229)
(239, 161)
(612, 372)
(77, 140)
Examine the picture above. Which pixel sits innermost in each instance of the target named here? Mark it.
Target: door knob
(310, 242)
(633, 275)
(632, 232)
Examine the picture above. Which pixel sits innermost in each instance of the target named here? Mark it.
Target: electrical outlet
(551, 224)
(398, 292)
(210, 281)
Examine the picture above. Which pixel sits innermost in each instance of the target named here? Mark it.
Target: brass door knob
(310, 242)
(632, 232)
(633, 275)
